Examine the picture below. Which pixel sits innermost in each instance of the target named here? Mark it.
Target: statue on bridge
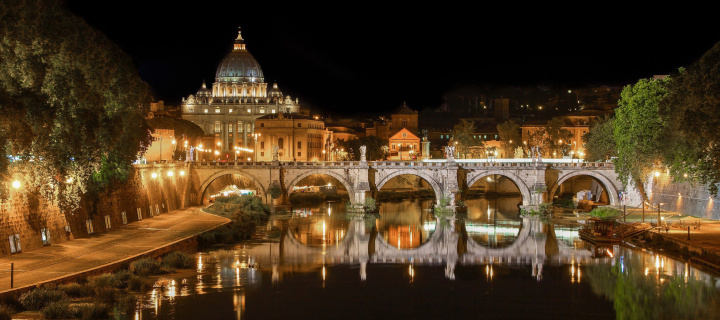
(275, 152)
(362, 153)
(450, 153)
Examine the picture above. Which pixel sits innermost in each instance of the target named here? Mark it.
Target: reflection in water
(281, 279)
(650, 286)
(319, 226)
(405, 224)
(494, 222)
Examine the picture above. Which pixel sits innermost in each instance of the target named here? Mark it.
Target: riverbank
(106, 252)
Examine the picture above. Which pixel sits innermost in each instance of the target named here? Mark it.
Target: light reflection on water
(233, 282)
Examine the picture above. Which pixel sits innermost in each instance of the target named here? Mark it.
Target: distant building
(298, 137)
(238, 97)
(578, 123)
(162, 146)
(404, 145)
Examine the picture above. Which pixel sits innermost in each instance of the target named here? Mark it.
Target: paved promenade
(124, 242)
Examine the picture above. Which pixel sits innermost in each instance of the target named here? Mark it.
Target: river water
(401, 263)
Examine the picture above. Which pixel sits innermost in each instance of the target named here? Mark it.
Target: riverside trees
(72, 104)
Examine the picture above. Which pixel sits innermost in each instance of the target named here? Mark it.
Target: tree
(374, 147)
(557, 139)
(600, 140)
(464, 140)
(638, 130)
(690, 114)
(509, 133)
(73, 106)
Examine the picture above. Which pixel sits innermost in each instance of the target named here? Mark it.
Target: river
(501, 266)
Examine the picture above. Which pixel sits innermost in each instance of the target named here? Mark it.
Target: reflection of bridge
(536, 181)
(536, 244)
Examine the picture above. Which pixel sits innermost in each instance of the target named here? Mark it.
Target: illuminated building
(238, 97)
(298, 137)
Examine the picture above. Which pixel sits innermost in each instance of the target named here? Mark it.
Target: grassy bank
(105, 296)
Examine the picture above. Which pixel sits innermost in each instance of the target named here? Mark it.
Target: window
(230, 110)
(45, 234)
(107, 222)
(249, 110)
(262, 110)
(124, 218)
(299, 153)
(299, 145)
(262, 154)
(299, 125)
(262, 125)
(205, 110)
(393, 146)
(281, 143)
(217, 127)
(273, 110)
(230, 127)
(217, 110)
(89, 226)
(139, 212)
(262, 145)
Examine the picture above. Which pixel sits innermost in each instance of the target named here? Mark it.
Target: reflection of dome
(239, 65)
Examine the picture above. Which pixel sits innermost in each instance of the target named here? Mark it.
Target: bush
(6, 312)
(93, 311)
(126, 304)
(57, 310)
(104, 280)
(140, 284)
(564, 203)
(605, 213)
(105, 295)
(74, 290)
(122, 278)
(178, 260)
(275, 191)
(39, 298)
(145, 267)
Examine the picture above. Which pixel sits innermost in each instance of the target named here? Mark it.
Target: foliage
(275, 191)
(600, 140)
(104, 295)
(544, 211)
(6, 312)
(638, 129)
(39, 298)
(74, 290)
(250, 213)
(463, 135)
(140, 284)
(564, 203)
(605, 213)
(105, 280)
(443, 208)
(373, 147)
(126, 304)
(70, 98)
(370, 205)
(145, 267)
(556, 139)
(509, 133)
(93, 311)
(690, 113)
(57, 310)
(178, 260)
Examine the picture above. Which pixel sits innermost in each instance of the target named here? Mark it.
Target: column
(235, 134)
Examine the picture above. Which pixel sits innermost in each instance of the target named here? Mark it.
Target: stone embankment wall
(28, 216)
(682, 197)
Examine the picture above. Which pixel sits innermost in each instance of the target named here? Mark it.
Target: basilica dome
(239, 65)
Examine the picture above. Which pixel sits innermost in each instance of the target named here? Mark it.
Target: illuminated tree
(600, 140)
(466, 143)
(73, 106)
(509, 133)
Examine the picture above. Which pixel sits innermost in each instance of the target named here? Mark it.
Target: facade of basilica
(238, 97)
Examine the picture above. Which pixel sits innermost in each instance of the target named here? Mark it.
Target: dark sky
(352, 57)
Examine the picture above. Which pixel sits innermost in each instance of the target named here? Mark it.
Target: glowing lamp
(154, 175)
(16, 184)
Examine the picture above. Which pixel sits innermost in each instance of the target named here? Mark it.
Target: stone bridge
(537, 181)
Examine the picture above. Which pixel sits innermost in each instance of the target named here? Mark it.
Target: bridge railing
(320, 164)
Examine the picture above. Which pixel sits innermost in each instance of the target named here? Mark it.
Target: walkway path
(125, 242)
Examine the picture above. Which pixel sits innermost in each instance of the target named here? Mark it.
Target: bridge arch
(211, 178)
(519, 182)
(347, 184)
(434, 184)
(611, 188)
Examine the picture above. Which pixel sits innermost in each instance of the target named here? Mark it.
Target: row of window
(478, 136)
(230, 110)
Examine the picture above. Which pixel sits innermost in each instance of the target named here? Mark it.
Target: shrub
(74, 290)
(126, 304)
(104, 280)
(93, 311)
(564, 203)
(6, 312)
(57, 310)
(39, 298)
(179, 260)
(605, 213)
(275, 191)
(105, 295)
(145, 267)
(140, 284)
(122, 278)
(370, 204)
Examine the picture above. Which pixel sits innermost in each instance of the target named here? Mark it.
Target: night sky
(367, 57)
